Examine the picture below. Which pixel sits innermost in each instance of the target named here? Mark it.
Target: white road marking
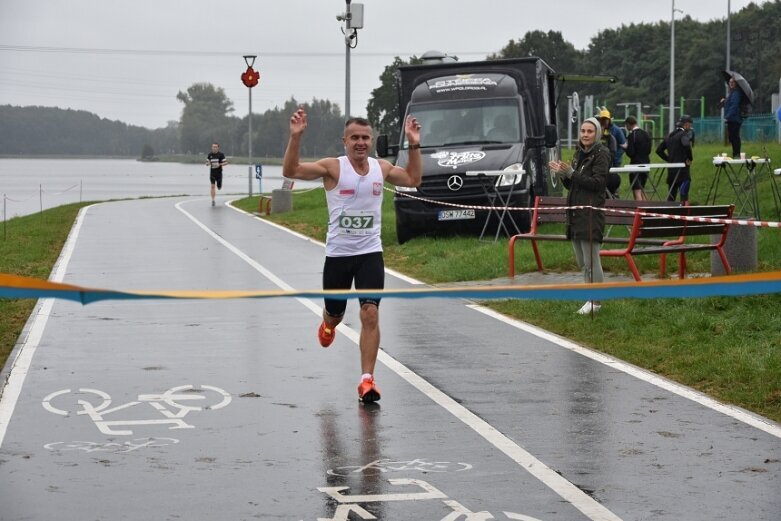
(9, 393)
(537, 468)
(343, 513)
(430, 492)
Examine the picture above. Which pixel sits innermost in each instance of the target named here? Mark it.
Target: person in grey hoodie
(585, 179)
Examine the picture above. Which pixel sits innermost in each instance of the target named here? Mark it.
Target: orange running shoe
(368, 391)
(326, 334)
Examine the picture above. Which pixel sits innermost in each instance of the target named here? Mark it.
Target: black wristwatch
(414, 146)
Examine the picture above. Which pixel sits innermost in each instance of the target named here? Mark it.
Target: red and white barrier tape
(738, 222)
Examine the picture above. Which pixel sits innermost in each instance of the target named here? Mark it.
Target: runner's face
(215, 148)
(357, 141)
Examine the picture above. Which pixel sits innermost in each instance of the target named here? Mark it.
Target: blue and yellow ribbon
(14, 286)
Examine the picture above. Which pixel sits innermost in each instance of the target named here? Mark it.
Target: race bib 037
(356, 224)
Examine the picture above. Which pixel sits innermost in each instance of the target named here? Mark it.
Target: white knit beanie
(595, 122)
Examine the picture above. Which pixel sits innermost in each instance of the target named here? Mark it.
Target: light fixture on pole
(353, 20)
(250, 78)
(671, 124)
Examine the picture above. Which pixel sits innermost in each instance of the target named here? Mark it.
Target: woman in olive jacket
(586, 180)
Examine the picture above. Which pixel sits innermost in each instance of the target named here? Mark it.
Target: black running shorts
(215, 178)
(366, 271)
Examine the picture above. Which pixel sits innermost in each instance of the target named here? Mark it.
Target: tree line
(206, 118)
(637, 54)
(26, 131)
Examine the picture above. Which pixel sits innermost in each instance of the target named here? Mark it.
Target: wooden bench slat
(688, 231)
(686, 247)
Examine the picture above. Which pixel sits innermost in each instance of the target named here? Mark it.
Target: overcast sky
(65, 53)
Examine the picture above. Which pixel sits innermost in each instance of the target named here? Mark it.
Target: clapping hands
(561, 168)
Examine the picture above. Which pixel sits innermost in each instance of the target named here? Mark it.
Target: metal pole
(671, 124)
(249, 147)
(5, 232)
(347, 35)
(40, 198)
(728, 36)
(729, 53)
(347, 78)
(570, 113)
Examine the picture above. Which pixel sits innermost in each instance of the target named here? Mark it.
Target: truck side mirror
(382, 145)
(551, 136)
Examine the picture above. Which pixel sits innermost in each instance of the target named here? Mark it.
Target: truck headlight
(406, 189)
(515, 175)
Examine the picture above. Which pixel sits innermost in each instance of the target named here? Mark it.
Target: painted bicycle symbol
(387, 465)
(113, 447)
(95, 404)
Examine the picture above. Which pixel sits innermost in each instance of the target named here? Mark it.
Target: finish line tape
(14, 286)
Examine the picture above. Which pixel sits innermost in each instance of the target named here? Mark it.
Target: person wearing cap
(585, 179)
(677, 148)
(614, 138)
(638, 148)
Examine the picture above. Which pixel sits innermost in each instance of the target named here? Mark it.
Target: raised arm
(412, 174)
(292, 168)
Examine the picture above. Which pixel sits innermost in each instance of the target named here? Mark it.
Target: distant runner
(354, 192)
(215, 160)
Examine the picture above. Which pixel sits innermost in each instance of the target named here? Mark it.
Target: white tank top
(354, 211)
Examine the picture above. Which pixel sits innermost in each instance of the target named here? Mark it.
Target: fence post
(661, 120)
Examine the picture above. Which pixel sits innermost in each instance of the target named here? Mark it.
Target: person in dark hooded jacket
(677, 148)
(733, 104)
(585, 179)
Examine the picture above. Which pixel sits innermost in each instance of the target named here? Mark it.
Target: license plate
(455, 215)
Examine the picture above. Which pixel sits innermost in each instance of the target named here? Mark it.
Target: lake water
(26, 185)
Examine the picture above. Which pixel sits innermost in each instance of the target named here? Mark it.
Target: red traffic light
(250, 77)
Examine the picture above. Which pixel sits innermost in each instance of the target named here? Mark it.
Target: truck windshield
(468, 122)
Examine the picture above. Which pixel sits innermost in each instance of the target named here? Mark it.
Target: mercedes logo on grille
(454, 182)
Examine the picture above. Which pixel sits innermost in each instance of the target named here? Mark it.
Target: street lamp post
(671, 124)
(729, 54)
(250, 78)
(729, 36)
(353, 20)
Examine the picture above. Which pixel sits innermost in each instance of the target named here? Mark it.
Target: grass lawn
(30, 246)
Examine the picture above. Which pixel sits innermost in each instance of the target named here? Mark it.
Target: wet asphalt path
(231, 410)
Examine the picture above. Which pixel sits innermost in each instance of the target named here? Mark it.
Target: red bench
(553, 210)
(656, 227)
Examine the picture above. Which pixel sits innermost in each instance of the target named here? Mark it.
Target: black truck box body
(475, 116)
